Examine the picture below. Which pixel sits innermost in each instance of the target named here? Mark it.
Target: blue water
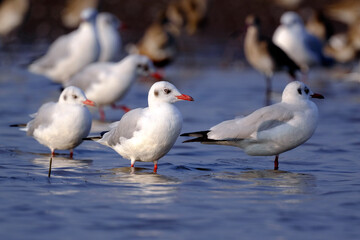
(200, 191)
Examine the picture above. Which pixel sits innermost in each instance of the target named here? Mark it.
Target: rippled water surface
(200, 191)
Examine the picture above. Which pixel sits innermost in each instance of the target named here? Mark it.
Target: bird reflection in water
(62, 162)
(146, 187)
(276, 181)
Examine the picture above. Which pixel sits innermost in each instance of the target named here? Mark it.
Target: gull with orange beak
(62, 125)
(147, 134)
(105, 83)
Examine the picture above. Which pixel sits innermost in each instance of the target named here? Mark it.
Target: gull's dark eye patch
(139, 66)
(146, 67)
(74, 96)
(167, 91)
(156, 93)
(306, 90)
(299, 91)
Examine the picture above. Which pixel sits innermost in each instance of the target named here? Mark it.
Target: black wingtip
(18, 125)
(195, 134)
(91, 138)
(102, 133)
(200, 136)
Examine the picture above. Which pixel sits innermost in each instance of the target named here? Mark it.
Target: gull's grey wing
(57, 51)
(90, 75)
(261, 120)
(42, 118)
(124, 129)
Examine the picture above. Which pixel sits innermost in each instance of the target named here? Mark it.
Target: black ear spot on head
(306, 90)
(299, 91)
(64, 97)
(156, 93)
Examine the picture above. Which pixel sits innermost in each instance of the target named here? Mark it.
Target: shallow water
(200, 191)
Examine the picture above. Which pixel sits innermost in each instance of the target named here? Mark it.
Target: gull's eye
(299, 91)
(167, 91)
(146, 67)
(74, 96)
(306, 90)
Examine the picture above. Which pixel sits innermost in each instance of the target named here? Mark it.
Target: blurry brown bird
(188, 14)
(158, 42)
(70, 16)
(12, 14)
(346, 11)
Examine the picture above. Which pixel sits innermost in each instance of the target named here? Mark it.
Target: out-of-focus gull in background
(109, 37)
(304, 48)
(71, 52)
(105, 83)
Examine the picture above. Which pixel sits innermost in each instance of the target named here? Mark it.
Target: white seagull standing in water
(71, 52)
(105, 83)
(269, 130)
(62, 125)
(147, 134)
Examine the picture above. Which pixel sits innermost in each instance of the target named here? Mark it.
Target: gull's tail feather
(95, 138)
(18, 125)
(199, 137)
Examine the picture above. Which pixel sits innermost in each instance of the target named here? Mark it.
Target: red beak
(185, 97)
(89, 102)
(316, 95)
(157, 76)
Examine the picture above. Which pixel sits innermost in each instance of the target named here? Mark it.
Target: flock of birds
(83, 61)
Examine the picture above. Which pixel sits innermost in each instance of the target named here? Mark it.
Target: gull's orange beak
(157, 76)
(89, 102)
(185, 97)
(316, 95)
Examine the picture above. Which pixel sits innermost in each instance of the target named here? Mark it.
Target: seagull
(264, 55)
(270, 130)
(147, 134)
(305, 49)
(61, 125)
(71, 52)
(105, 83)
(109, 37)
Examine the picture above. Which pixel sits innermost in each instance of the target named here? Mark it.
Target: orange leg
(102, 114)
(122, 107)
(276, 162)
(155, 166)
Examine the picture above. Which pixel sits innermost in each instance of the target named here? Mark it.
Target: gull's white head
(297, 91)
(142, 66)
(88, 15)
(291, 19)
(108, 20)
(163, 91)
(74, 95)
